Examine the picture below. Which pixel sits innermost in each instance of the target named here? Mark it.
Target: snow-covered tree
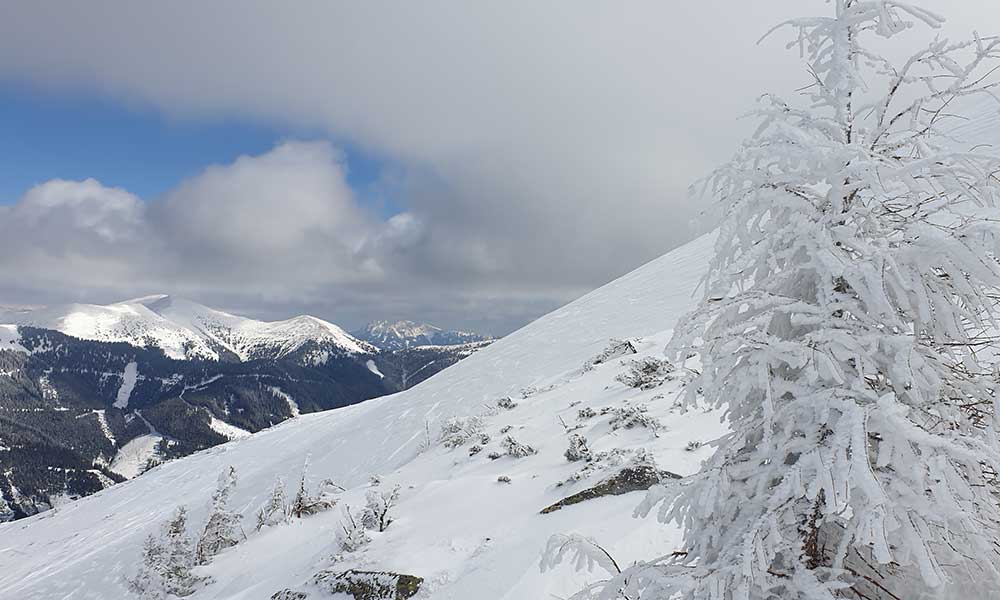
(167, 561)
(352, 535)
(377, 506)
(275, 509)
(307, 503)
(578, 449)
(222, 529)
(853, 286)
(517, 449)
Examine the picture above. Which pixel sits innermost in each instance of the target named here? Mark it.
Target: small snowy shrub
(458, 431)
(585, 413)
(352, 535)
(377, 507)
(646, 373)
(503, 479)
(578, 449)
(505, 429)
(517, 449)
(692, 445)
(603, 462)
(476, 449)
(615, 349)
(630, 417)
(506, 403)
(493, 455)
(308, 503)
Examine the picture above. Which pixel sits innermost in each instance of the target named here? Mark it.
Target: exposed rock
(289, 595)
(369, 585)
(629, 479)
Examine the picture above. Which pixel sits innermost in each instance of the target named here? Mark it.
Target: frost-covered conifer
(855, 275)
(275, 509)
(222, 529)
(167, 561)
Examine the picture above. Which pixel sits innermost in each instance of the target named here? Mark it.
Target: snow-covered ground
(129, 377)
(467, 534)
(230, 431)
(10, 339)
(132, 458)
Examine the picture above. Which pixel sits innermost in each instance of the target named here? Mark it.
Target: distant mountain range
(187, 330)
(95, 394)
(396, 335)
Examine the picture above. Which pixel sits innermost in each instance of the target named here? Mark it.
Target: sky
(473, 165)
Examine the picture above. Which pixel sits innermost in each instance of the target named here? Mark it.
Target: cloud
(278, 224)
(540, 150)
(263, 233)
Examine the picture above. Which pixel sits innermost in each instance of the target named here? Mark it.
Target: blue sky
(76, 136)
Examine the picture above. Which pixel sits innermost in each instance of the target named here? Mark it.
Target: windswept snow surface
(466, 534)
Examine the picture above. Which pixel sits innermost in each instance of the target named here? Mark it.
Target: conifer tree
(222, 529)
(275, 509)
(167, 562)
(854, 280)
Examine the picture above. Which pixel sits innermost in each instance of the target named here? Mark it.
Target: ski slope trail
(466, 534)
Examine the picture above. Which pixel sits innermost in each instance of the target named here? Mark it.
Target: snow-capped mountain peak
(185, 329)
(396, 335)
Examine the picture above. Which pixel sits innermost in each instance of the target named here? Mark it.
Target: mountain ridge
(185, 329)
(396, 335)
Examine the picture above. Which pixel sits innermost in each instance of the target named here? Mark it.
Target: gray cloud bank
(541, 149)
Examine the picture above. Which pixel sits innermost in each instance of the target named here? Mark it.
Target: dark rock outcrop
(369, 585)
(289, 595)
(629, 479)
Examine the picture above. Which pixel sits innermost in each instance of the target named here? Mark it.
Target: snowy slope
(466, 534)
(186, 329)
